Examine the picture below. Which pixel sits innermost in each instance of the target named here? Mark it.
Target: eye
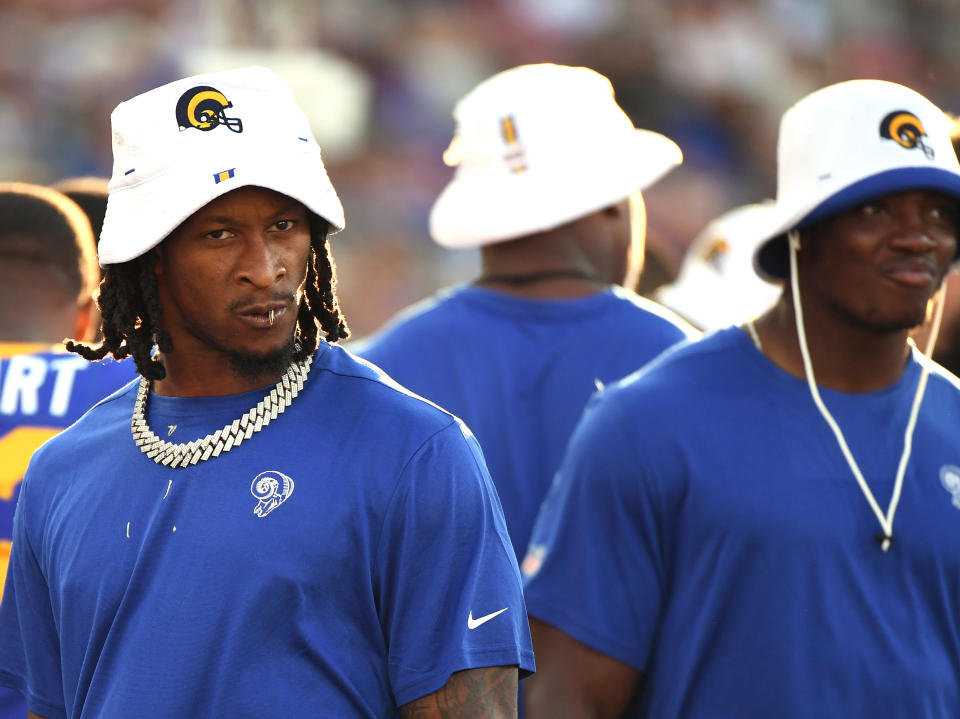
(946, 211)
(219, 234)
(284, 225)
(871, 209)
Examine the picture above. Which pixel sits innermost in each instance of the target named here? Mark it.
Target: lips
(258, 316)
(911, 273)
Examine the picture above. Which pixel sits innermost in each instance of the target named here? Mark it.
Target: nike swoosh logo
(474, 623)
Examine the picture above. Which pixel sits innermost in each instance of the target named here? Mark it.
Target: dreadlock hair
(131, 311)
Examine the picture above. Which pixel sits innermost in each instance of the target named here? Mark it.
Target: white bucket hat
(716, 285)
(180, 146)
(536, 147)
(846, 144)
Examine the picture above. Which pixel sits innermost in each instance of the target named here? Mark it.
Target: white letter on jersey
(66, 370)
(21, 384)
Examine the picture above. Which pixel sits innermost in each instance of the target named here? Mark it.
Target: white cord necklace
(752, 331)
(227, 437)
(886, 521)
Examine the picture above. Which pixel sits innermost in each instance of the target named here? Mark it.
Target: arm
(486, 693)
(31, 715)
(573, 680)
(444, 557)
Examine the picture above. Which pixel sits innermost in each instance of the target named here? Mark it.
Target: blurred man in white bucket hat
(260, 525)
(549, 170)
(717, 286)
(721, 534)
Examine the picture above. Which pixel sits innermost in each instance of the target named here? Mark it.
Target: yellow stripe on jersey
(16, 449)
(12, 349)
(5, 545)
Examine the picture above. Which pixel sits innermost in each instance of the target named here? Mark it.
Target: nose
(261, 264)
(913, 232)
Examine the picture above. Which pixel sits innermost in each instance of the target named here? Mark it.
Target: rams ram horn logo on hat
(905, 129)
(203, 107)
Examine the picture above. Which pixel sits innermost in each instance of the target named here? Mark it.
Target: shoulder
(97, 422)
(353, 386)
(653, 314)
(406, 327)
(689, 363)
(688, 374)
(96, 432)
(942, 382)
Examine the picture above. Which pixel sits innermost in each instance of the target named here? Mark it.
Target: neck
(845, 356)
(559, 282)
(555, 264)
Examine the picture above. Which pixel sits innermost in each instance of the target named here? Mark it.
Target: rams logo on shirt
(905, 129)
(203, 107)
(950, 479)
(271, 489)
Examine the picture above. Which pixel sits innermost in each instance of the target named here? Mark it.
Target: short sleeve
(30, 659)
(448, 586)
(594, 567)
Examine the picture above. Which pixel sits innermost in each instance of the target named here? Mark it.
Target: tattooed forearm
(487, 693)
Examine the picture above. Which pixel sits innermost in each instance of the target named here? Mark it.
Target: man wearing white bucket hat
(716, 286)
(262, 525)
(720, 540)
(549, 170)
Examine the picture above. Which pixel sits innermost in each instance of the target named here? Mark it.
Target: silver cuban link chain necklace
(224, 439)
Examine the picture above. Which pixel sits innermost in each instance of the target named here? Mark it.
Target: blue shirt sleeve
(608, 592)
(30, 659)
(447, 582)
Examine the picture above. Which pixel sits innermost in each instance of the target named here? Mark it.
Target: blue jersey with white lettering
(343, 561)
(42, 390)
(706, 530)
(519, 371)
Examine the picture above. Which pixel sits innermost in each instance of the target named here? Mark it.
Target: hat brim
(482, 208)
(139, 217)
(771, 261)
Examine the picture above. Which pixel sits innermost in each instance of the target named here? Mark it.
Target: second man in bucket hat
(548, 177)
(261, 526)
(765, 523)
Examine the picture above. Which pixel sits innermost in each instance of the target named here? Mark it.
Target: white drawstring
(886, 522)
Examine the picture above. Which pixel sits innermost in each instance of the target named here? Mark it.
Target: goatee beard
(252, 366)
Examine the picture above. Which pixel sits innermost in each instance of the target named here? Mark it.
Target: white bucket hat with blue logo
(182, 145)
(716, 285)
(538, 146)
(846, 144)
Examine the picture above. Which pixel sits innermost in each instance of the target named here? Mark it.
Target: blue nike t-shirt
(381, 567)
(706, 530)
(42, 390)
(519, 371)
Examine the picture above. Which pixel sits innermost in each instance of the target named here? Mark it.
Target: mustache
(284, 297)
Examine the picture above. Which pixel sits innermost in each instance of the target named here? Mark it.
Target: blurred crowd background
(379, 79)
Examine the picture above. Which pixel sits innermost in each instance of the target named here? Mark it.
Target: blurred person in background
(47, 276)
(261, 525)
(548, 180)
(91, 194)
(716, 286)
(947, 348)
(720, 540)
